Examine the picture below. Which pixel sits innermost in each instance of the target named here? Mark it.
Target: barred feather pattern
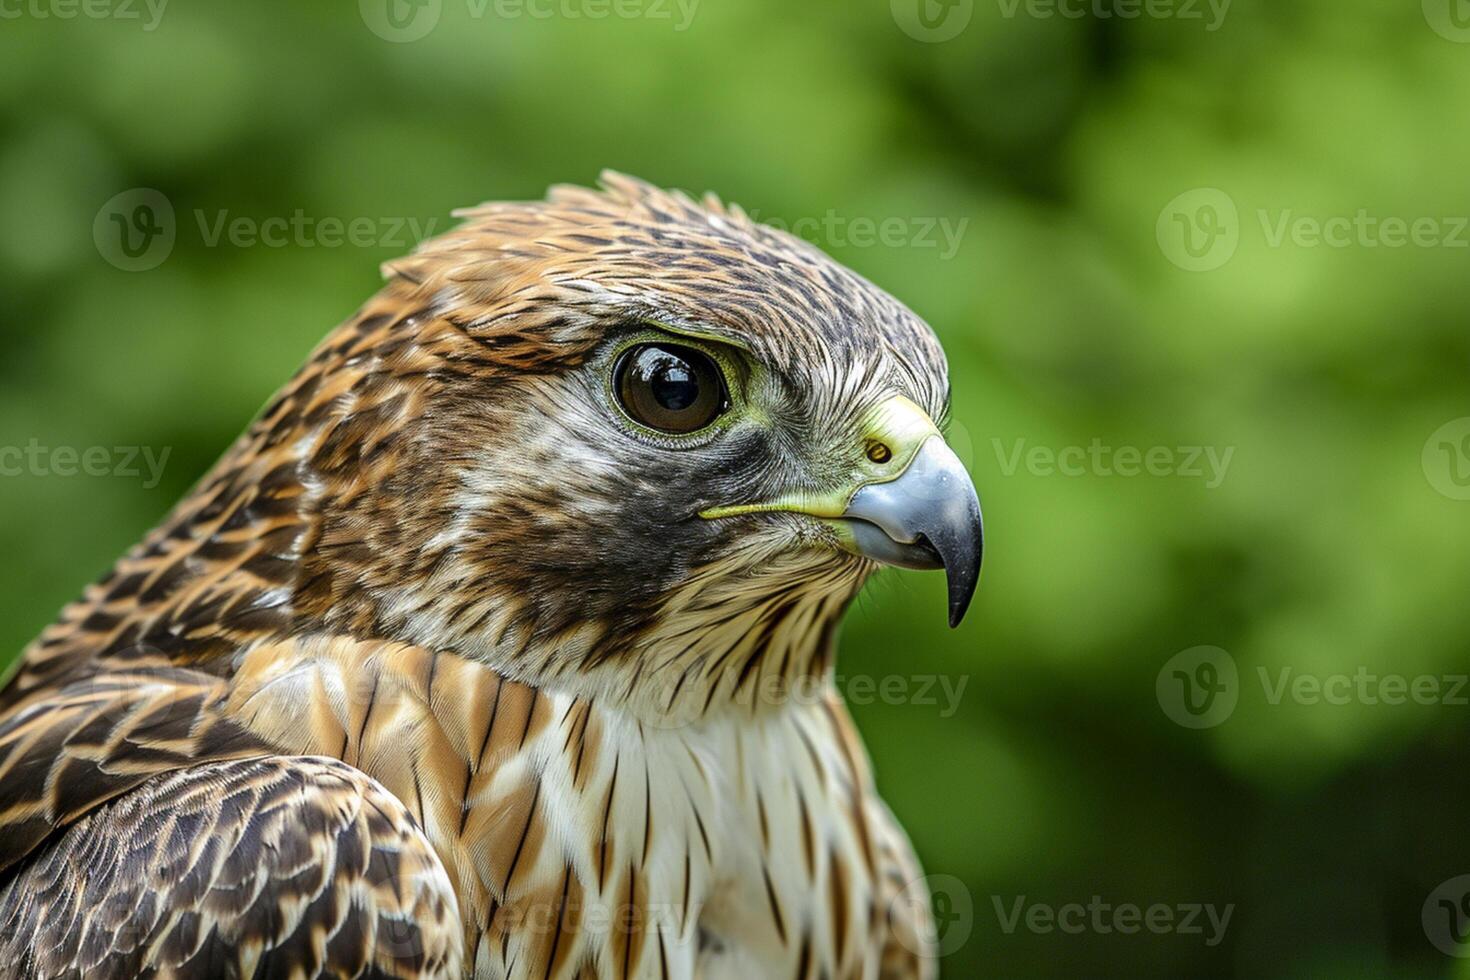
(435, 559)
(265, 867)
(579, 838)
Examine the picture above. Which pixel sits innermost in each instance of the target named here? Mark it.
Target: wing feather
(101, 736)
(289, 866)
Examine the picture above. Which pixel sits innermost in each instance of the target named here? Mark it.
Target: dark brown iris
(670, 388)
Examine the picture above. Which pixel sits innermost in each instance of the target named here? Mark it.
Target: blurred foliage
(1056, 143)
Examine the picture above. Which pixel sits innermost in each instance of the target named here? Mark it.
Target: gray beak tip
(964, 579)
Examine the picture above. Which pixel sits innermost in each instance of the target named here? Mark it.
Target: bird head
(621, 435)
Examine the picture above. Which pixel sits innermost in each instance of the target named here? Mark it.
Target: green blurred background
(1068, 157)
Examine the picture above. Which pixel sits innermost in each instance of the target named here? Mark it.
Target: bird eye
(670, 388)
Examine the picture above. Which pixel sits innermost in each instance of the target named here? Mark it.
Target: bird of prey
(501, 643)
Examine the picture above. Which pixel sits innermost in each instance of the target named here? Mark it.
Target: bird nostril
(879, 452)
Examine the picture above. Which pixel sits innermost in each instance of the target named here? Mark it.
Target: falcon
(501, 644)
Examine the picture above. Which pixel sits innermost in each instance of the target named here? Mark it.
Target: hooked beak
(927, 518)
(914, 506)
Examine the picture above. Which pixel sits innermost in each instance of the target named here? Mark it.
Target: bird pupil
(674, 386)
(671, 389)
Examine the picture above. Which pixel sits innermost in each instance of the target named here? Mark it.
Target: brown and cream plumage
(501, 643)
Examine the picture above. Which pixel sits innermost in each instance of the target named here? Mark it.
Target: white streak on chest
(736, 846)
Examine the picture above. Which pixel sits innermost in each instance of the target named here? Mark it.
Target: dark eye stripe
(669, 388)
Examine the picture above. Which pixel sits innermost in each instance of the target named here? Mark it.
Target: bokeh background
(1106, 210)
